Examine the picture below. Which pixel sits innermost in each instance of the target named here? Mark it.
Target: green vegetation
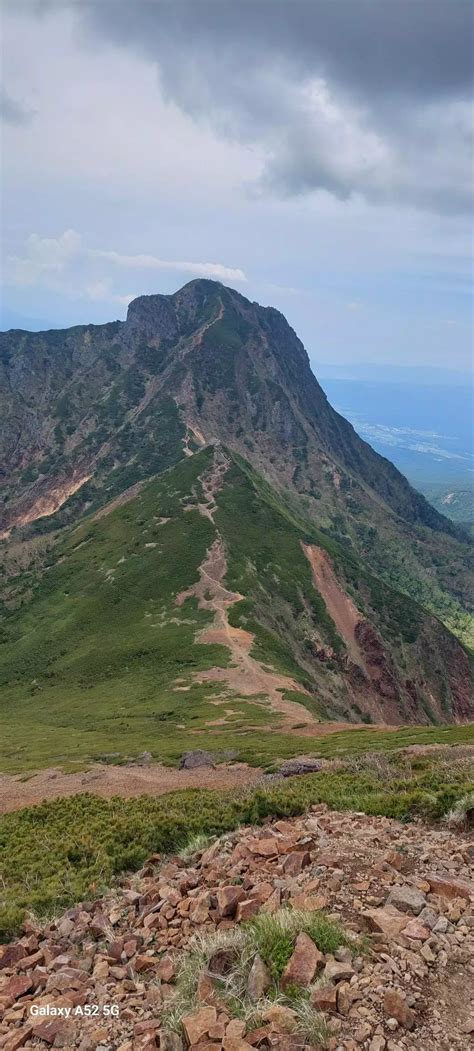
(273, 938)
(71, 849)
(100, 660)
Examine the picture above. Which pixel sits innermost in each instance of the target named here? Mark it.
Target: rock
(195, 759)
(197, 1024)
(303, 964)
(441, 925)
(295, 862)
(397, 860)
(259, 979)
(50, 1029)
(324, 998)
(407, 899)
(388, 921)
(395, 1006)
(429, 917)
(449, 888)
(246, 909)
(143, 759)
(228, 899)
(280, 1017)
(17, 986)
(416, 930)
(344, 998)
(337, 972)
(235, 1029)
(166, 969)
(301, 765)
(265, 848)
(18, 1039)
(11, 954)
(362, 1033)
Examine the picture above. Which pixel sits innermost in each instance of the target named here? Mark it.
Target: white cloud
(66, 265)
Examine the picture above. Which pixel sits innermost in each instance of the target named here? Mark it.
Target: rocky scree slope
(330, 930)
(89, 411)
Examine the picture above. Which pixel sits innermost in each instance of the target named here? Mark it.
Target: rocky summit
(204, 546)
(225, 948)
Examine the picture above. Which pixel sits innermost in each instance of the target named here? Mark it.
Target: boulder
(407, 899)
(193, 760)
(395, 1006)
(324, 998)
(303, 964)
(259, 979)
(449, 888)
(197, 1024)
(228, 899)
(301, 765)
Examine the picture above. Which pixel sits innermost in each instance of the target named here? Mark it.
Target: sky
(314, 154)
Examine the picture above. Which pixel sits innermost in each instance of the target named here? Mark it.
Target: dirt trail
(126, 781)
(246, 676)
(340, 607)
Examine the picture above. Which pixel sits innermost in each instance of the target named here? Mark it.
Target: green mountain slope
(191, 616)
(89, 411)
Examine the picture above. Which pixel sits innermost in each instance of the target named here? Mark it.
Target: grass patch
(273, 936)
(273, 939)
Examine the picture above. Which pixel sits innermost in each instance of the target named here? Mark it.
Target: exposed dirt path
(126, 781)
(246, 676)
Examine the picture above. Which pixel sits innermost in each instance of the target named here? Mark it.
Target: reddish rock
(18, 1039)
(303, 964)
(416, 930)
(49, 1029)
(395, 1006)
(228, 898)
(295, 862)
(143, 963)
(324, 998)
(17, 986)
(197, 1024)
(265, 848)
(388, 921)
(166, 969)
(11, 954)
(280, 1017)
(450, 888)
(246, 909)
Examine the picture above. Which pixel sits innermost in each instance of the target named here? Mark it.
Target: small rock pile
(98, 977)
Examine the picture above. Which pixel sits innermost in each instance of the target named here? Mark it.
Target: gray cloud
(368, 97)
(12, 111)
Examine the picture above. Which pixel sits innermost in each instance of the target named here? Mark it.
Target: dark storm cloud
(350, 96)
(405, 46)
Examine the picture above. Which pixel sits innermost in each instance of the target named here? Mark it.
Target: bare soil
(126, 781)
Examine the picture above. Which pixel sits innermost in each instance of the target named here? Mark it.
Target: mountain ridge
(351, 608)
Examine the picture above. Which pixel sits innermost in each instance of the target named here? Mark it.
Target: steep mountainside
(275, 572)
(201, 610)
(89, 411)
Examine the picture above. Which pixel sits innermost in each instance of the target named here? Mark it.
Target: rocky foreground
(102, 975)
